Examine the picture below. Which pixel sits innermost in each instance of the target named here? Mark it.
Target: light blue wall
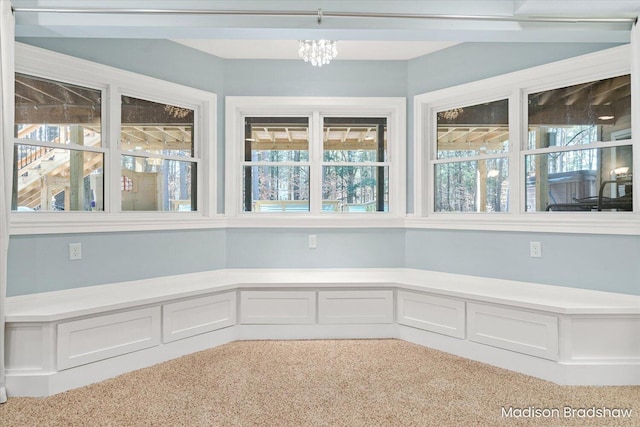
(297, 78)
(468, 62)
(599, 262)
(162, 59)
(337, 248)
(40, 263)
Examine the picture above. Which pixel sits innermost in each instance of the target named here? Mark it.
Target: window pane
(56, 112)
(276, 139)
(580, 114)
(473, 130)
(156, 128)
(56, 179)
(580, 180)
(355, 188)
(473, 186)
(355, 140)
(155, 184)
(276, 188)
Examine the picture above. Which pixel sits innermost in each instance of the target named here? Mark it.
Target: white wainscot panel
(526, 332)
(277, 307)
(355, 307)
(28, 347)
(89, 340)
(436, 314)
(605, 338)
(198, 315)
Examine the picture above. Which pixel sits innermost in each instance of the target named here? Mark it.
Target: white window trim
(238, 107)
(594, 66)
(114, 83)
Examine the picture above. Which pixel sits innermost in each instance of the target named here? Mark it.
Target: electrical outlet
(313, 241)
(75, 251)
(535, 249)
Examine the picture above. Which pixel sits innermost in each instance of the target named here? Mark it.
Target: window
(160, 159)
(58, 154)
(579, 155)
(471, 169)
(102, 145)
(276, 164)
(315, 157)
(355, 170)
(549, 147)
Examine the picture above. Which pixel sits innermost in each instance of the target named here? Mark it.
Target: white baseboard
(593, 374)
(38, 385)
(314, 332)
(617, 374)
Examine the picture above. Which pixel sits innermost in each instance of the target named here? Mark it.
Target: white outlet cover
(75, 251)
(535, 249)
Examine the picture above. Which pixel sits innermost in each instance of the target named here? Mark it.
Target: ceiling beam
(459, 21)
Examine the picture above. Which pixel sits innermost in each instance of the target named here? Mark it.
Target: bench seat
(68, 338)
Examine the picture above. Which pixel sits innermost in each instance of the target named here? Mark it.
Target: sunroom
(178, 179)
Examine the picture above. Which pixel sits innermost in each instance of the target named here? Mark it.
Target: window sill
(85, 222)
(346, 220)
(559, 222)
(24, 223)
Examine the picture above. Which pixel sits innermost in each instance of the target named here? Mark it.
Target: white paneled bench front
(60, 340)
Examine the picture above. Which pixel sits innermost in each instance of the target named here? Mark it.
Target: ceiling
(288, 49)
(377, 29)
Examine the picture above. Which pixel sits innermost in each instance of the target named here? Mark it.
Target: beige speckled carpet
(326, 383)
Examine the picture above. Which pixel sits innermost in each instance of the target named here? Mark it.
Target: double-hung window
(102, 144)
(579, 154)
(276, 164)
(158, 156)
(59, 154)
(471, 167)
(548, 146)
(315, 157)
(355, 166)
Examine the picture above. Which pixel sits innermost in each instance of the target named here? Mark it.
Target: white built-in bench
(60, 340)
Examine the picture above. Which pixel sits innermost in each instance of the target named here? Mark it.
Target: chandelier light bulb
(318, 52)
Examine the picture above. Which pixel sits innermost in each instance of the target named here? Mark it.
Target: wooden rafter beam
(612, 89)
(76, 93)
(364, 134)
(147, 133)
(346, 135)
(164, 132)
(42, 92)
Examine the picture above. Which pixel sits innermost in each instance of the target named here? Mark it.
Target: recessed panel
(355, 307)
(436, 314)
(597, 338)
(88, 340)
(24, 347)
(517, 330)
(199, 315)
(278, 307)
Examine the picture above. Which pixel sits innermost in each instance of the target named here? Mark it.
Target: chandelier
(318, 52)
